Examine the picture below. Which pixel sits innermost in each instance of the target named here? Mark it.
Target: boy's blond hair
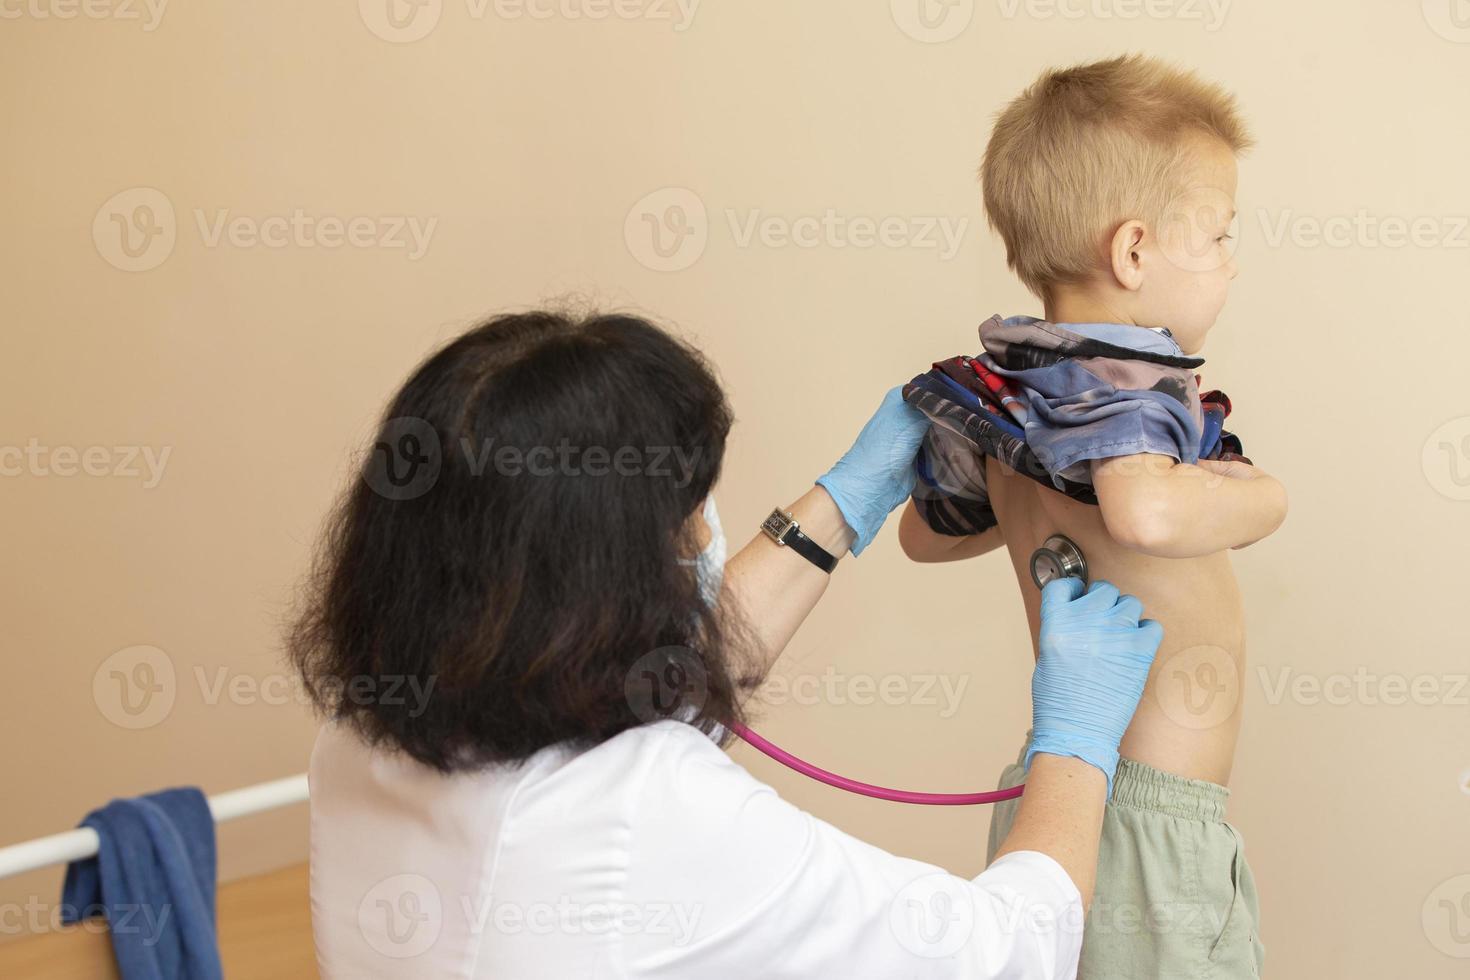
(1086, 148)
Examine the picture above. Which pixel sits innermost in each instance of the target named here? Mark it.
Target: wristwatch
(782, 528)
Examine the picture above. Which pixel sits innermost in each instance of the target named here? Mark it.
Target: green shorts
(1174, 897)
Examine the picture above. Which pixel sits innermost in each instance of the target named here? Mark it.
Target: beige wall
(531, 143)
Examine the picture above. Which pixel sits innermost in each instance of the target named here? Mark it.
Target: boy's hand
(1236, 470)
(923, 544)
(1232, 468)
(1154, 504)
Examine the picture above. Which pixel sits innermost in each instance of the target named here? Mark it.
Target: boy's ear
(1124, 254)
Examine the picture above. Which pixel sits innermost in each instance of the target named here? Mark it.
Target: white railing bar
(73, 845)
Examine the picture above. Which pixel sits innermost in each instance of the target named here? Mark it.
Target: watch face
(776, 525)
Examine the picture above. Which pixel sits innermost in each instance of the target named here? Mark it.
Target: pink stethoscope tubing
(868, 789)
(1061, 557)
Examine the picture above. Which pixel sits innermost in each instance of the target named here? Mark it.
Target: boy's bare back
(1189, 717)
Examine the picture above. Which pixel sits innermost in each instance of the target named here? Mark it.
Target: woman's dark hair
(503, 574)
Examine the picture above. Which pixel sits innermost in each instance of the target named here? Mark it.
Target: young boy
(1113, 185)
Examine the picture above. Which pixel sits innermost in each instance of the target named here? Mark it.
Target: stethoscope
(1058, 557)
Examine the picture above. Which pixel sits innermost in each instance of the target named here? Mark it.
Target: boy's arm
(1156, 505)
(921, 543)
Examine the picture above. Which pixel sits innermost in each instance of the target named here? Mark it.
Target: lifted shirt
(1046, 399)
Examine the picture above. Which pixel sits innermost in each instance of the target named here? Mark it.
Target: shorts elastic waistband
(1146, 788)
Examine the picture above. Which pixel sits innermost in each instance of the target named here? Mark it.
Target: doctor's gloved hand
(1094, 660)
(877, 473)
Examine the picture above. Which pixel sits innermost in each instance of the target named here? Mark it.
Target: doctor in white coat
(528, 659)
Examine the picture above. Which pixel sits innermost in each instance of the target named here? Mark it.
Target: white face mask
(710, 561)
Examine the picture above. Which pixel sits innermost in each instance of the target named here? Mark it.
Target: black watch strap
(783, 529)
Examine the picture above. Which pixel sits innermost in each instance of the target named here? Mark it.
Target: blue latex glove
(1094, 661)
(877, 473)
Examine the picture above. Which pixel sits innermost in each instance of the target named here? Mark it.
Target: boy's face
(1188, 269)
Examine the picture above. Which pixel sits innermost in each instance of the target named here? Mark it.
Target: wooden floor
(264, 931)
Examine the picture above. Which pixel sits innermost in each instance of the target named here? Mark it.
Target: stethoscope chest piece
(1058, 557)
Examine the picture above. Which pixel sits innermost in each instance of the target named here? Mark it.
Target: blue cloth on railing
(153, 880)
